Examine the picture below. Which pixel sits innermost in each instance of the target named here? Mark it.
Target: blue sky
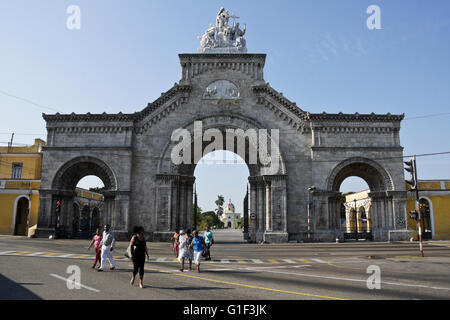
(320, 54)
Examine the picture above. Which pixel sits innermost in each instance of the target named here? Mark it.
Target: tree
(239, 224)
(219, 203)
(208, 219)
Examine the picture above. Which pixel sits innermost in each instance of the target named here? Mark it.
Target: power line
(28, 101)
(431, 115)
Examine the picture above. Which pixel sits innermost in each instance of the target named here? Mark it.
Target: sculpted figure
(207, 40)
(222, 19)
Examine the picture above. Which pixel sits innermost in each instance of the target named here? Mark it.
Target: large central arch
(267, 183)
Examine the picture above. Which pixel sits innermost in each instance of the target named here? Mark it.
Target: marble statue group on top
(224, 38)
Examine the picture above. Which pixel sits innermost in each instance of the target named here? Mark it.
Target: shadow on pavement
(11, 290)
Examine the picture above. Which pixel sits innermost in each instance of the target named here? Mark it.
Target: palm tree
(219, 203)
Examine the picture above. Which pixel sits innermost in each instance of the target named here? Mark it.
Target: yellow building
(20, 176)
(434, 200)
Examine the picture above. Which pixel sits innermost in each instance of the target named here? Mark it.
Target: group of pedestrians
(192, 247)
(186, 246)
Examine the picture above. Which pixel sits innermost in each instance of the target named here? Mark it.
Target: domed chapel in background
(229, 216)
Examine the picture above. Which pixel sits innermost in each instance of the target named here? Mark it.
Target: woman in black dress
(138, 252)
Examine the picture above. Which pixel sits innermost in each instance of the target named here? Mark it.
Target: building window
(16, 171)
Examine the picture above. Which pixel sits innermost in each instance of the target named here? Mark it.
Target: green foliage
(240, 223)
(219, 203)
(208, 218)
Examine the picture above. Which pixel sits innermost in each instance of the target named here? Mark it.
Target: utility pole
(411, 167)
(195, 207)
(11, 143)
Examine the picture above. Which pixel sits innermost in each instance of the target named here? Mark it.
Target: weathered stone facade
(131, 153)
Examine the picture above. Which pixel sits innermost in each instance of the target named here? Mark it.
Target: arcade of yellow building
(434, 205)
(20, 179)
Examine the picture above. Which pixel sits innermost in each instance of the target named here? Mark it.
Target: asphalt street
(38, 269)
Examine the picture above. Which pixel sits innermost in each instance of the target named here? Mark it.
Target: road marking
(20, 253)
(289, 261)
(247, 285)
(175, 260)
(304, 260)
(84, 256)
(35, 254)
(358, 280)
(6, 252)
(65, 279)
(272, 261)
(66, 255)
(318, 260)
(242, 261)
(257, 261)
(160, 259)
(224, 261)
(50, 254)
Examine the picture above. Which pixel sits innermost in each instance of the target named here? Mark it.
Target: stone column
(253, 200)
(399, 216)
(183, 203)
(189, 182)
(260, 201)
(166, 206)
(268, 207)
(276, 215)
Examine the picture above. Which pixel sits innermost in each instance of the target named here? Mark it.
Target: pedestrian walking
(198, 243)
(138, 253)
(96, 242)
(185, 251)
(209, 241)
(182, 248)
(190, 252)
(107, 243)
(175, 242)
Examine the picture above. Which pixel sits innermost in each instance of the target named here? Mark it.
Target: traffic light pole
(419, 215)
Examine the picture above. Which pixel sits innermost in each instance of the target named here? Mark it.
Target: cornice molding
(281, 106)
(344, 117)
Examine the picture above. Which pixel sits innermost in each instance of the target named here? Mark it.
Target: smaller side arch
(68, 175)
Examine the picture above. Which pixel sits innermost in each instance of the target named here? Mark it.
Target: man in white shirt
(107, 245)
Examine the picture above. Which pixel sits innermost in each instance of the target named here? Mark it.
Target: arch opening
(363, 187)
(84, 185)
(21, 217)
(221, 184)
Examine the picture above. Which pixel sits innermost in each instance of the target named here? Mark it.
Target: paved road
(36, 269)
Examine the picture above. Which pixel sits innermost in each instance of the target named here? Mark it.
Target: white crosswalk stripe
(318, 260)
(289, 261)
(161, 259)
(6, 252)
(35, 254)
(257, 261)
(67, 255)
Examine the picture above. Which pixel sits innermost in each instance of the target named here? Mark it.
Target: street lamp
(356, 220)
(310, 189)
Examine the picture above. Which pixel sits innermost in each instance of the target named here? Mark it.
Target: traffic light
(414, 215)
(411, 168)
(58, 206)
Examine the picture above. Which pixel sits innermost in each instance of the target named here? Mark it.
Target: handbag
(128, 252)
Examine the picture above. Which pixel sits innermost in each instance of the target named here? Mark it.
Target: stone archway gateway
(223, 88)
